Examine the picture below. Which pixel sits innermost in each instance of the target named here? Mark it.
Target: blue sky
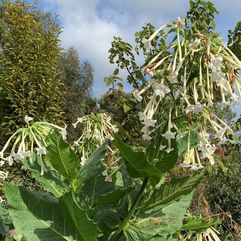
(89, 25)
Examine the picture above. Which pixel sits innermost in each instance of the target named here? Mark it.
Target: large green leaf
(93, 165)
(164, 161)
(93, 189)
(37, 217)
(199, 224)
(173, 190)
(50, 179)
(162, 223)
(139, 166)
(111, 198)
(87, 229)
(62, 157)
(134, 233)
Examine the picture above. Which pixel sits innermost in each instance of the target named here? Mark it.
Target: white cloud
(89, 25)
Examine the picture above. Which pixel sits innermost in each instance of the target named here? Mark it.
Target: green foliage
(78, 79)
(123, 109)
(197, 224)
(234, 40)
(121, 53)
(81, 205)
(225, 192)
(29, 66)
(202, 12)
(5, 221)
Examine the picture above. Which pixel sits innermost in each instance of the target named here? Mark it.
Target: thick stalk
(132, 209)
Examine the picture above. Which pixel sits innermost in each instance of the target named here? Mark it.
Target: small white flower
(194, 45)
(160, 89)
(147, 45)
(41, 150)
(27, 118)
(17, 157)
(142, 116)
(169, 135)
(194, 108)
(137, 96)
(2, 162)
(3, 175)
(21, 155)
(169, 149)
(64, 132)
(146, 137)
(88, 134)
(162, 147)
(148, 122)
(196, 167)
(80, 120)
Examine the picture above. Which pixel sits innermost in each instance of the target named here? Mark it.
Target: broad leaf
(165, 221)
(62, 157)
(36, 216)
(137, 161)
(198, 224)
(163, 161)
(93, 189)
(93, 165)
(133, 233)
(112, 198)
(87, 229)
(173, 191)
(50, 180)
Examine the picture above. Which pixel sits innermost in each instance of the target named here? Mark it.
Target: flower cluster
(28, 141)
(97, 128)
(185, 80)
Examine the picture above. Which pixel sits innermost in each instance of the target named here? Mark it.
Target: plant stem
(132, 209)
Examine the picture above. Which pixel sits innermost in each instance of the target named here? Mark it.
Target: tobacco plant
(78, 204)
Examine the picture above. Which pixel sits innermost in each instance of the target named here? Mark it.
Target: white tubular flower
(206, 148)
(79, 120)
(64, 132)
(148, 122)
(41, 150)
(161, 147)
(191, 160)
(211, 234)
(194, 108)
(146, 137)
(137, 96)
(147, 45)
(169, 135)
(3, 175)
(160, 89)
(27, 119)
(194, 45)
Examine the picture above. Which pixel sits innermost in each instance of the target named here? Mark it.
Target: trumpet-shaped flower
(194, 108)
(169, 135)
(160, 89)
(147, 45)
(41, 150)
(137, 96)
(27, 119)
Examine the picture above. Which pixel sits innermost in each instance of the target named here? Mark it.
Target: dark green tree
(29, 57)
(78, 78)
(234, 40)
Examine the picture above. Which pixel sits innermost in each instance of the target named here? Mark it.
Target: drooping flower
(137, 96)
(160, 89)
(147, 45)
(27, 119)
